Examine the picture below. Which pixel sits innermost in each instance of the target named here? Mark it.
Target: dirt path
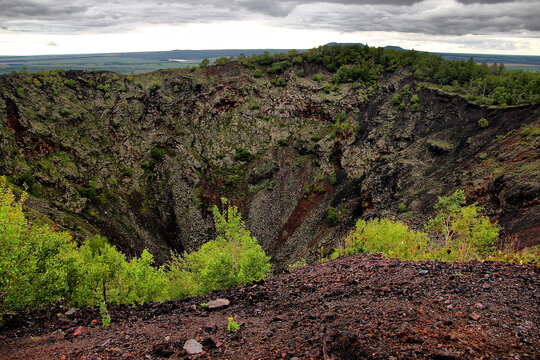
(360, 307)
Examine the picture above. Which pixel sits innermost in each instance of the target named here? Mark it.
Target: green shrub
(36, 263)
(483, 123)
(332, 179)
(70, 83)
(233, 258)
(157, 154)
(465, 233)
(102, 273)
(204, 63)
(142, 281)
(127, 170)
(242, 154)
(283, 142)
(298, 264)
(415, 99)
(221, 61)
(318, 78)
(391, 238)
(406, 89)
(301, 73)
(279, 82)
(332, 217)
(39, 266)
(402, 208)
(104, 312)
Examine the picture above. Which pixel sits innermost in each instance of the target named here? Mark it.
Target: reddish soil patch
(302, 210)
(361, 307)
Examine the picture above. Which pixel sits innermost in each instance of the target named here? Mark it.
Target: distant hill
(136, 62)
(139, 62)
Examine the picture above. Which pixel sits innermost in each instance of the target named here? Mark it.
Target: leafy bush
(332, 217)
(242, 154)
(233, 258)
(459, 234)
(36, 263)
(466, 235)
(279, 82)
(318, 78)
(483, 123)
(39, 266)
(127, 170)
(221, 61)
(402, 208)
(391, 238)
(332, 178)
(102, 272)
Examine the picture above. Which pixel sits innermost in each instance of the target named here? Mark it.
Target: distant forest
(479, 83)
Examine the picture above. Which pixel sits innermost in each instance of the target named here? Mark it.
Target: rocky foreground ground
(360, 307)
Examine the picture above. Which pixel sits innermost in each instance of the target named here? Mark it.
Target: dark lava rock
(343, 346)
(163, 349)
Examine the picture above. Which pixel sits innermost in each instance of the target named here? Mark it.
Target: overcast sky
(31, 27)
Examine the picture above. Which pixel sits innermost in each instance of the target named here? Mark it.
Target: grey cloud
(43, 9)
(52, 43)
(415, 16)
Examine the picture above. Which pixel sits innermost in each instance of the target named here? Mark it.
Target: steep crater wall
(143, 159)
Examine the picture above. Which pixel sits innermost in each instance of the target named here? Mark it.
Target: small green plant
(301, 73)
(483, 123)
(402, 208)
(232, 325)
(104, 312)
(243, 154)
(321, 258)
(332, 216)
(318, 78)
(279, 82)
(332, 178)
(298, 264)
(127, 170)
